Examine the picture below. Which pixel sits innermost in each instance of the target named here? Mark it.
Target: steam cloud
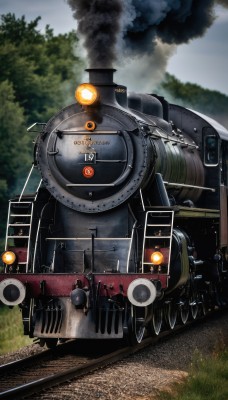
(133, 28)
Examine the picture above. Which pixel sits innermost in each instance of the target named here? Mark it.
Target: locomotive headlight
(157, 258)
(86, 94)
(8, 257)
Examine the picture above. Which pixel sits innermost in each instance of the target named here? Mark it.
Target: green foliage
(37, 73)
(11, 332)
(207, 379)
(210, 102)
(12, 135)
(13, 145)
(37, 65)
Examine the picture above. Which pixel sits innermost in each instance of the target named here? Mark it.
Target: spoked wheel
(184, 312)
(137, 324)
(171, 315)
(156, 322)
(194, 308)
(203, 305)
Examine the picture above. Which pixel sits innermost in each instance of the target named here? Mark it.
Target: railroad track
(72, 360)
(28, 379)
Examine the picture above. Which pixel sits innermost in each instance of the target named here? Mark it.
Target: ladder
(157, 235)
(19, 222)
(18, 231)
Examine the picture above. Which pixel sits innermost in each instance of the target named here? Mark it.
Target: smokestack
(102, 78)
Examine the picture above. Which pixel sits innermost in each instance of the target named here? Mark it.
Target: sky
(203, 61)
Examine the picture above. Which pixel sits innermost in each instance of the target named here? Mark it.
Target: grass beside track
(207, 380)
(11, 330)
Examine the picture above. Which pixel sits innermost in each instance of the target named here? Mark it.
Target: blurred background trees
(208, 102)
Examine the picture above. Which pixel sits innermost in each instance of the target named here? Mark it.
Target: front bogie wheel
(137, 322)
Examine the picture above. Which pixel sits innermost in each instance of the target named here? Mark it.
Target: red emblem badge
(88, 172)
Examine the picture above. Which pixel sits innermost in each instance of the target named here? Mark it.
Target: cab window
(224, 167)
(211, 151)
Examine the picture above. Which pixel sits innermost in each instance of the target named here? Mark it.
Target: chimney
(102, 78)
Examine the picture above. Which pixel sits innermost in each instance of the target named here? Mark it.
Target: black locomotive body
(127, 232)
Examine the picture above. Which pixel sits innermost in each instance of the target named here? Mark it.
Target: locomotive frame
(127, 231)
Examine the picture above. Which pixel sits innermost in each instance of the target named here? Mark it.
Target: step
(19, 225)
(158, 225)
(18, 237)
(158, 237)
(20, 215)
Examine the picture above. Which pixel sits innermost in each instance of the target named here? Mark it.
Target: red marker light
(88, 172)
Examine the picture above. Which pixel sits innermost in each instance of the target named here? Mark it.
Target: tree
(39, 66)
(210, 102)
(37, 73)
(13, 142)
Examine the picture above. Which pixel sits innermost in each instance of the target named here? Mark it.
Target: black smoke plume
(171, 21)
(139, 23)
(145, 31)
(99, 26)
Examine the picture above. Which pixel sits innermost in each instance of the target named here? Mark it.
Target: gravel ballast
(142, 375)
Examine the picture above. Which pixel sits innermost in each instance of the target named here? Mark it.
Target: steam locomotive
(126, 233)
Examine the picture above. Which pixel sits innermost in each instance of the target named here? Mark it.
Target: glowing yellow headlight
(86, 94)
(157, 258)
(8, 257)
